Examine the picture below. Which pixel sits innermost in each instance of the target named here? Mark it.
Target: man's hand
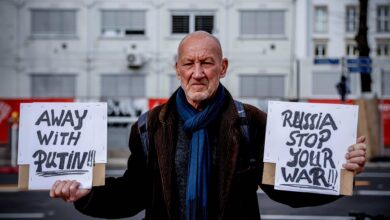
(356, 156)
(68, 190)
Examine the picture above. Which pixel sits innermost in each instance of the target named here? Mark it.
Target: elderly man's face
(199, 68)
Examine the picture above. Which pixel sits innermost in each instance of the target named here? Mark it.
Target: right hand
(68, 190)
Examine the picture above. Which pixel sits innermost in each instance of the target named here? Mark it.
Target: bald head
(200, 35)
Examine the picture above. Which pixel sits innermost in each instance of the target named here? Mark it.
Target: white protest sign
(62, 141)
(308, 143)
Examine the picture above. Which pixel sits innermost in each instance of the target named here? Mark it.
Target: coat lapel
(227, 153)
(165, 148)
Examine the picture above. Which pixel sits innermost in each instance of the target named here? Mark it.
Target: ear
(225, 64)
(177, 71)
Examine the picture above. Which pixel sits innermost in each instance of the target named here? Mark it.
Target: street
(371, 200)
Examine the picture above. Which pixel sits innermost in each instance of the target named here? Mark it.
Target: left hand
(356, 156)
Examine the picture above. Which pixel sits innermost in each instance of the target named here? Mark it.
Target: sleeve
(257, 127)
(123, 196)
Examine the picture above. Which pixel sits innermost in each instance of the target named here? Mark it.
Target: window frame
(259, 35)
(354, 21)
(382, 19)
(192, 20)
(122, 32)
(57, 93)
(269, 77)
(119, 77)
(50, 33)
(324, 20)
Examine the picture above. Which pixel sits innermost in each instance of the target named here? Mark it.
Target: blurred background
(123, 52)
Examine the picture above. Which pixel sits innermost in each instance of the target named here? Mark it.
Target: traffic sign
(359, 61)
(359, 69)
(326, 61)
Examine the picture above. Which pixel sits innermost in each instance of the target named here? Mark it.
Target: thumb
(361, 139)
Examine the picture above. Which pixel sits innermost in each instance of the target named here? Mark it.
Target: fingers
(68, 190)
(73, 188)
(356, 156)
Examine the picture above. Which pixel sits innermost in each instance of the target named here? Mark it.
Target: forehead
(200, 46)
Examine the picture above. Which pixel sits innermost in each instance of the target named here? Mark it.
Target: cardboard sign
(61, 141)
(307, 143)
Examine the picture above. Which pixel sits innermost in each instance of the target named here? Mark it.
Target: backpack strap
(143, 131)
(253, 162)
(243, 120)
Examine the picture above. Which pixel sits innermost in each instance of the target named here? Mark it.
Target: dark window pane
(180, 24)
(204, 23)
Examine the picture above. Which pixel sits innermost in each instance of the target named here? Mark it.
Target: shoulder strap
(243, 120)
(143, 131)
(245, 133)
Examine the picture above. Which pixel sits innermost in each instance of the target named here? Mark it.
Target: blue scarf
(199, 165)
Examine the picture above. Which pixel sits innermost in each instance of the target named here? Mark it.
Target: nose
(198, 71)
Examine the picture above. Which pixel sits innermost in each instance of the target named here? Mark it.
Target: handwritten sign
(62, 141)
(308, 142)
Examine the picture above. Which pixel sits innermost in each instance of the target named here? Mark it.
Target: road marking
(357, 192)
(22, 215)
(372, 193)
(374, 175)
(306, 217)
(9, 188)
(362, 183)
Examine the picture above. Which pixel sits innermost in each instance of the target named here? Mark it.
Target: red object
(8, 106)
(332, 101)
(384, 108)
(156, 102)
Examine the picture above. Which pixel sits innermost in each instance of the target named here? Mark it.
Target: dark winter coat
(151, 184)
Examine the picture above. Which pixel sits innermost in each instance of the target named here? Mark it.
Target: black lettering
(303, 176)
(324, 137)
(318, 175)
(295, 160)
(75, 138)
(41, 159)
(50, 160)
(62, 157)
(44, 117)
(44, 140)
(57, 120)
(303, 158)
(292, 138)
(328, 120)
(328, 157)
(287, 116)
(68, 118)
(312, 143)
(80, 119)
(289, 177)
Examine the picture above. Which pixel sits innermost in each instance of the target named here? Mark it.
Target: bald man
(197, 161)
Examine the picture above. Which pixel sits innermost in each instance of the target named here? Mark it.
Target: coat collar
(227, 151)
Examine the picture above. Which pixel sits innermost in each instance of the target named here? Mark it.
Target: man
(197, 163)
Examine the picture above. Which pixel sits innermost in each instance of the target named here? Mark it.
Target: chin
(198, 96)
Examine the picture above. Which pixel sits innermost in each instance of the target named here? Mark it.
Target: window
(53, 85)
(324, 83)
(383, 19)
(386, 83)
(121, 23)
(320, 49)
(263, 23)
(351, 49)
(320, 19)
(351, 20)
(382, 48)
(53, 22)
(184, 23)
(123, 85)
(262, 86)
